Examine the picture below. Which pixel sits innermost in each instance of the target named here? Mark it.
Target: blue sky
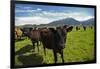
(41, 14)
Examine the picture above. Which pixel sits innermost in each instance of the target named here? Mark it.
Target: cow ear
(65, 26)
(67, 29)
(53, 30)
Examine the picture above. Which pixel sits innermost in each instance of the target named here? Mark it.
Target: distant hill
(68, 21)
(88, 22)
(72, 21)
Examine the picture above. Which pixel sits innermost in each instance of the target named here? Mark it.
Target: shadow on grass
(30, 60)
(17, 40)
(24, 50)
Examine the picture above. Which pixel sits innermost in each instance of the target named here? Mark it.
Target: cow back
(47, 38)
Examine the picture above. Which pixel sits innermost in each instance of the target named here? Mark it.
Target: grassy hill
(79, 48)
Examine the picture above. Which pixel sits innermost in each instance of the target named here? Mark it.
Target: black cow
(84, 27)
(91, 27)
(26, 31)
(70, 29)
(54, 39)
(77, 28)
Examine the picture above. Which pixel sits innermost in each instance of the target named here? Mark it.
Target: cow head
(61, 37)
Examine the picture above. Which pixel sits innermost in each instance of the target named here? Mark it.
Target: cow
(91, 27)
(84, 27)
(33, 35)
(26, 31)
(18, 33)
(77, 28)
(70, 29)
(54, 39)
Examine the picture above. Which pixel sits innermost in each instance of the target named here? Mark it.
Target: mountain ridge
(72, 21)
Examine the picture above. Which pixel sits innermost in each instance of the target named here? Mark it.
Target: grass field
(79, 48)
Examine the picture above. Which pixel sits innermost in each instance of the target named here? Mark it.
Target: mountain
(68, 21)
(72, 21)
(88, 22)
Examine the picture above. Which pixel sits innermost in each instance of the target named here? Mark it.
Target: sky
(41, 14)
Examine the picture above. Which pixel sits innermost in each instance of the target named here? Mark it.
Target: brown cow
(18, 33)
(33, 35)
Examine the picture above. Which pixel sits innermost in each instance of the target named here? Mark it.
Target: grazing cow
(91, 27)
(33, 35)
(18, 33)
(77, 28)
(84, 27)
(26, 31)
(55, 40)
(70, 29)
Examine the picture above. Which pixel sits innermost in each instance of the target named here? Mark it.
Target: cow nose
(62, 45)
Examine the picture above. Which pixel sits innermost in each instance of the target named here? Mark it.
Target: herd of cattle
(51, 38)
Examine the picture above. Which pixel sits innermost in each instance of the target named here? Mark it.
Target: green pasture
(79, 48)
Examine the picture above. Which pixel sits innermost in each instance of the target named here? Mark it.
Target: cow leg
(20, 37)
(44, 50)
(38, 45)
(33, 45)
(55, 56)
(62, 56)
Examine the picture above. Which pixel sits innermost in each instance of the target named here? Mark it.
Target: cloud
(23, 7)
(27, 7)
(61, 15)
(39, 9)
(29, 11)
(45, 17)
(83, 18)
(31, 20)
(54, 14)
